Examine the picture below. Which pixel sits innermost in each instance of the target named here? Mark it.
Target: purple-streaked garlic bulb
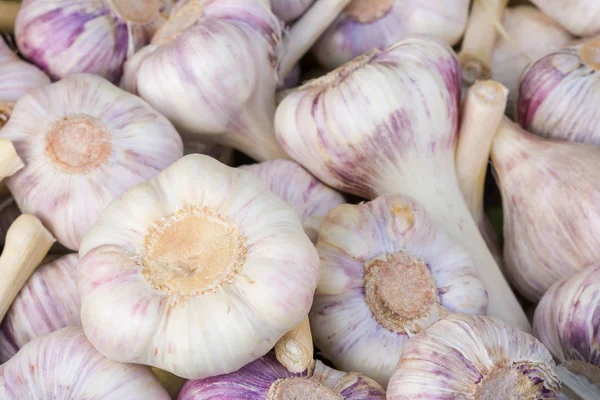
(83, 141)
(9, 211)
(580, 17)
(212, 70)
(289, 10)
(559, 94)
(531, 34)
(266, 379)
(368, 24)
(198, 271)
(551, 204)
(64, 365)
(387, 273)
(567, 321)
(216, 151)
(48, 301)
(311, 199)
(472, 357)
(387, 123)
(65, 37)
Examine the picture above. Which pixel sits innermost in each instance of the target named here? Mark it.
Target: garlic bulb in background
(551, 205)
(311, 199)
(266, 379)
(471, 357)
(198, 271)
(48, 301)
(216, 151)
(64, 365)
(580, 17)
(387, 123)
(559, 94)
(83, 142)
(531, 35)
(387, 273)
(289, 10)
(65, 37)
(368, 24)
(8, 214)
(567, 321)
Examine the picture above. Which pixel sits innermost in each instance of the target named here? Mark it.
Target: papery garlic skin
(559, 93)
(229, 97)
(198, 271)
(83, 142)
(311, 199)
(369, 24)
(473, 357)
(48, 301)
(580, 17)
(17, 76)
(531, 35)
(289, 10)
(64, 365)
(259, 380)
(551, 204)
(360, 319)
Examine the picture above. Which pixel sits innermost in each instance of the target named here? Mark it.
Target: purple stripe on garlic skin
(348, 319)
(308, 197)
(17, 76)
(580, 17)
(559, 94)
(369, 24)
(257, 380)
(289, 10)
(473, 357)
(48, 301)
(65, 365)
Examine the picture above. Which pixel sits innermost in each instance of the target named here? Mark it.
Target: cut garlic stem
(10, 162)
(482, 112)
(295, 349)
(27, 243)
(8, 15)
(479, 40)
(305, 32)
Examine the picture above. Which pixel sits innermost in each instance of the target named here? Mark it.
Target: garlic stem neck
(6, 109)
(579, 380)
(305, 32)
(10, 162)
(590, 53)
(510, 382)
(8, 15)
(482, 112)
(479, 39)
(295, 349)
(301, 388)
(585, 369)
(136, 11)
(509, 140)
(368, 11)
(178, 22)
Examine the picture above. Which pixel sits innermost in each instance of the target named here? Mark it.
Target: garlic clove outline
(580, 17)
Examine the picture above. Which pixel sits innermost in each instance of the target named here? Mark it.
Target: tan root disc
(590, 54)
(6, 109)
(78, 144)
(301, 388)
(399, 289)
(367, 11)
(512, 383)
(138, 11)
(192, 251)
(178, 22)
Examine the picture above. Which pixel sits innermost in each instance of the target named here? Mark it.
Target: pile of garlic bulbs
(299, 199)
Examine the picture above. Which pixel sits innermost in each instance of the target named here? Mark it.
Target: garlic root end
(295, 349)
(10, 162)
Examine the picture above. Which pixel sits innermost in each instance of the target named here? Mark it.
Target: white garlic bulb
(387, 273)
(289, 10)
(387, 123)
(64, 365)
(531, 35)
(580, 17)
(83, 142)
(551, 203)
(17, 76)
(472, 357)
(48, 301)
(311, 199)
(567, 321)
(65, 37)
(198, 271)
(229, 96)
(368, 24)
(266, 379)
(559, 93)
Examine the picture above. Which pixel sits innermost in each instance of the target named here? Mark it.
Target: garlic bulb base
(10, 162)
(301, 388)
(295, 349)
(509, 381)
(367, 11)
(590, 53)
(137, 11)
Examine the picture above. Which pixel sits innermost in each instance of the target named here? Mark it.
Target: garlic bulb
(387, 123)
(8, 214)
(198, 271)
(551, 203)
(289, 10)
(580, 17)
(311, 199)
(558, 94)
(229, 97)
(266, 379)
(531, 34)
(567, 322)
(472, 357)
(65, 37)
(48, 301)
(368, 24)
(387, 273)
(64, 365)
(83, 142)
(216, 151)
